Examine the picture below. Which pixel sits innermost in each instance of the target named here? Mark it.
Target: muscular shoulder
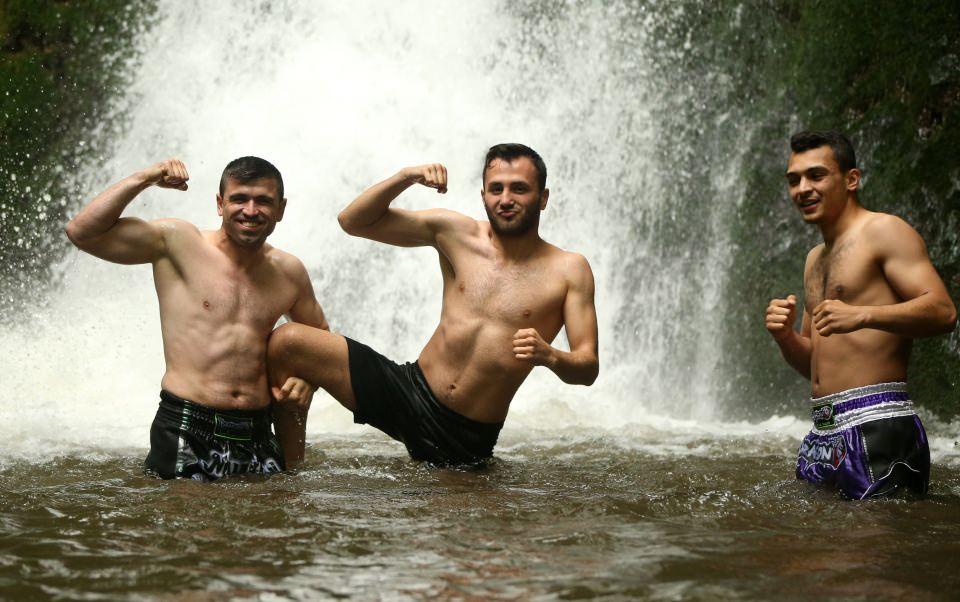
(447, 220)
(889, 235)
(178, 235)
(288, 264)
(173, 225)
(453, 229)
(576, 268)
(880, 225)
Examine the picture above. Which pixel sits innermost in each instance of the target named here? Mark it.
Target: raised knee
(284, 341)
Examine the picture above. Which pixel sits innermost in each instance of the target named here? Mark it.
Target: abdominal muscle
(471, 368)
(857, 359)
(217, 365)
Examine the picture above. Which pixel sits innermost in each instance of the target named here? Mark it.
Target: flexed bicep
(370, 215)
(99, 230)
(400, 227)
(405, 228)
(130, 241)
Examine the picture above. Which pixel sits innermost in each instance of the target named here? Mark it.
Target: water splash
(339, 97)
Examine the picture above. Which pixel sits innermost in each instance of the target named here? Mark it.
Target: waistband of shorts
(206, 415)
(859, 405)
(488, 429)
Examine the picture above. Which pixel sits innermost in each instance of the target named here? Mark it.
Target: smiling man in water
(221, 293)
(869, 290)
(506, 295)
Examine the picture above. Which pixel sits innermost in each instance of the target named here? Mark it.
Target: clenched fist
(530, 347)
(836, 317)
(171, 173)
(432, 175)
(781, 316)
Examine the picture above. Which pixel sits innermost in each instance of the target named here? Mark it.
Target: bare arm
(580, 365)
(99, 230)
(927, 309)
(306, 309)
(295, 395)
(370, 215)
(796, 348)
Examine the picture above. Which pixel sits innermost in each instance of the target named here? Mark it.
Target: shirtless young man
(870, 289)
(221, 293)
(506, 294)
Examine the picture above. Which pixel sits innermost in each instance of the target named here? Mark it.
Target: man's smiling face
(250, 210)
(817, 185)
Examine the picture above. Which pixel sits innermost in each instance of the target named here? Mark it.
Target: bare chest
(244, 301)
(518, 296)
(846, 272)
(221, 294)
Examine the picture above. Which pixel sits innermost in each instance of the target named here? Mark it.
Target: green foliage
(887, 74)
(62, 66)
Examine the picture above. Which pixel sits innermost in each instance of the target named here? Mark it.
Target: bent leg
(316, 356)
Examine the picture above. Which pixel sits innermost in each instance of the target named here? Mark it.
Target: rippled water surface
(648, 514)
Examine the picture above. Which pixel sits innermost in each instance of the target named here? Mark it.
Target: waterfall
(339, 96)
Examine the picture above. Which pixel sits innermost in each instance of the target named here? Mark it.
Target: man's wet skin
(220, 292)
(869, 287)
(506, 295)
(497, 289)
(869, 290)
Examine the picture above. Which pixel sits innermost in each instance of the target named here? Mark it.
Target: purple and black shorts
(866, 442)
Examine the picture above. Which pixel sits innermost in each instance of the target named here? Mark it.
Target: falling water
(640, 486)
(341, 96)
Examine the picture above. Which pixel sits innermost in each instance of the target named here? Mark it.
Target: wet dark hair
(842, 149)
(248, 169)
(509, 152)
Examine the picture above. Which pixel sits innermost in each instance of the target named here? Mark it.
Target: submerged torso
(215, 319)
(469, 361)
(848, 271)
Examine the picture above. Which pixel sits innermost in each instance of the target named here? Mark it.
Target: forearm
(291, 427)
(796, 351)
(103, 212)
(373, 203)
(574, 367)
(923, 316)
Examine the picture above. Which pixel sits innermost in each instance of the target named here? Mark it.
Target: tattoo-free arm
(294, 396)
(99, 230)
(580, 365)
(370, 215)
(927, 309)
(306, 309)
(797, 348)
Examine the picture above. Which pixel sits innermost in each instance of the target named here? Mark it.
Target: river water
(640, 486)
(668, 512)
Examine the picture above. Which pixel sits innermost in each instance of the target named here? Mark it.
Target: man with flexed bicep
(221, 293)
(506, 295)
(869, 290)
